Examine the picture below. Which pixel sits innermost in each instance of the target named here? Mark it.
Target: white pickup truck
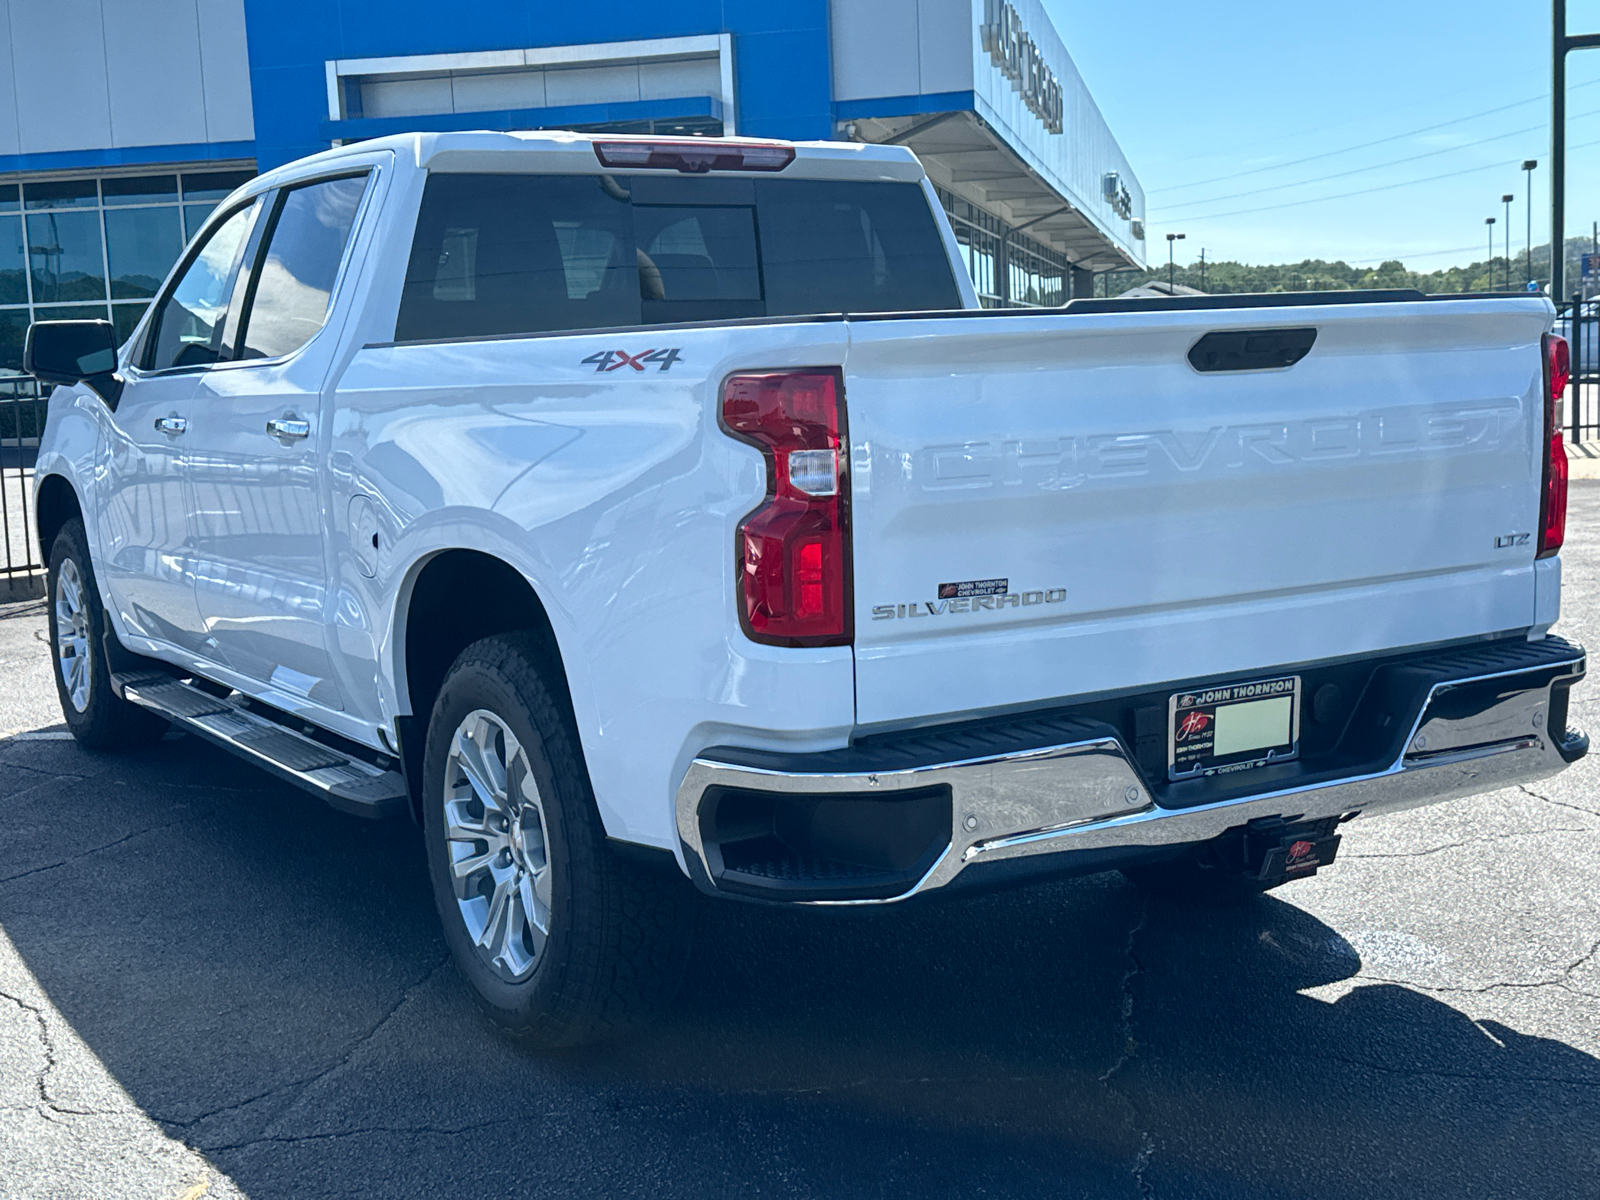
(628, 509)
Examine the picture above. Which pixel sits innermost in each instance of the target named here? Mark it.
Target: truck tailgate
(1062, 505)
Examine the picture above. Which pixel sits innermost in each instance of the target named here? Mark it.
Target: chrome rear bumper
(1079, 797)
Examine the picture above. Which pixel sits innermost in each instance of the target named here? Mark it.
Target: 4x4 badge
(615, 360)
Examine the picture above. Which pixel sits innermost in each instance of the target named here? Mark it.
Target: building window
(1009, 269)
(94, 247)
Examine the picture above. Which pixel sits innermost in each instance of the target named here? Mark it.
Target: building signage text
(1117, 194)
(1019, 60)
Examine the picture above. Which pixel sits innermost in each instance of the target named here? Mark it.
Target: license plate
(1236, 727)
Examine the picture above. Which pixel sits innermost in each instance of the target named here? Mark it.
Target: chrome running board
(348, 783)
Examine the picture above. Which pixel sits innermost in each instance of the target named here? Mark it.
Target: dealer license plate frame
(1194, 713)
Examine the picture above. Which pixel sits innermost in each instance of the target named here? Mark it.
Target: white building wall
(885, 48)
(59, 109)
(1074, 160)
(157, 94)
(944, 45)
(901, 47)
(109, 74)
(225, 71)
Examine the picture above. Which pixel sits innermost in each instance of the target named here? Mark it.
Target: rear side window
(515, 253)
(509, 254)
(295, 278)
(851, 247)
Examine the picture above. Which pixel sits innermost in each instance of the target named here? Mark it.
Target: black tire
(1190, 880)
(104, 721)
(618, 935)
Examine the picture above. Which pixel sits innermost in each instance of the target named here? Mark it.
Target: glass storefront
(1009, 269)
(95, 246)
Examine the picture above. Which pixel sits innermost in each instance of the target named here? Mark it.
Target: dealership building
(124, 122)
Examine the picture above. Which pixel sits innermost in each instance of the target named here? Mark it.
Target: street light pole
(1490, 223)
(1563, 44)
(1171, 237)
(1506, 200)
(1528, 166)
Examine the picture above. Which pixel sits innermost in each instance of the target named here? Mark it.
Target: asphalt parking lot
(210, 985)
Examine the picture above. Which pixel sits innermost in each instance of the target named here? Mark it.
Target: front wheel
(96, 716)
(562, 941)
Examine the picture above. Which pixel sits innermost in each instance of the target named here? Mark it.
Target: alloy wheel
(72, 634)
(495, 830)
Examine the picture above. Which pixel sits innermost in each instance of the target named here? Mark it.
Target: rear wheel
(98, 718)
(561, 940)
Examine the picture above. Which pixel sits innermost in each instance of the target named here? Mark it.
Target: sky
(1361, 130)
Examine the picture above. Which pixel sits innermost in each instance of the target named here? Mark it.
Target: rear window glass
(508, 254)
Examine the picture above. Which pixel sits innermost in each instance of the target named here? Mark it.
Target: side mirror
(71, 352)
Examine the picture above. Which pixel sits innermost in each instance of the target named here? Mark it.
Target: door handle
(171, 426)
(289, 427)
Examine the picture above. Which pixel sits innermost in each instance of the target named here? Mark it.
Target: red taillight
(694, 157)
(1553, 499)
(793, 551)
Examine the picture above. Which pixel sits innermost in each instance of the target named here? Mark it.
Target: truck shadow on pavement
(265, 978)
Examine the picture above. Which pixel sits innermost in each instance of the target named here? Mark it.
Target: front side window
(188, 330)
(510, 254)
(300, 265)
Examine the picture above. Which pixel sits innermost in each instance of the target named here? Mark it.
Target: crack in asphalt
(128, 837)
(16, 766)
(310, 1081)
(44, 1041)
(1524, 788)
(963, 1081)
(1492, 837)
(421, 1130)
(1499, 985)
(46, 1106)
(1130, 1048)
(24, 793)
(1563, 981)
(1424, 1072)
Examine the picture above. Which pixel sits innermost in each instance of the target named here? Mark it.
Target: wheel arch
(55, 503)
(453, 598)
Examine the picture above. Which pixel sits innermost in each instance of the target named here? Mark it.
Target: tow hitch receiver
(1276, 852)
(1297, 857)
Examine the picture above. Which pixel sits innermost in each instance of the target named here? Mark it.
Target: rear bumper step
(1055, 793)
(348, 783)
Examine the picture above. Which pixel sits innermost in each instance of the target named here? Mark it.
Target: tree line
(1315, 274)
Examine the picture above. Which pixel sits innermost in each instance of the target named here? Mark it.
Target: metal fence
(22, 411)
(1579, 322)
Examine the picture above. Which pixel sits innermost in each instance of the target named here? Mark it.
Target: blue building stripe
(551, 117)
(904, 106)
(126, 156)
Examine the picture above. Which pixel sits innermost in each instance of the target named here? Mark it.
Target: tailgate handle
(1251, 349)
